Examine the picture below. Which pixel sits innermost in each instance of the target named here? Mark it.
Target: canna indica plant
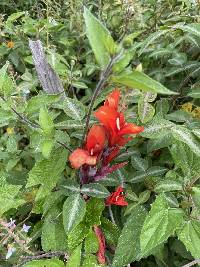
(97, 182)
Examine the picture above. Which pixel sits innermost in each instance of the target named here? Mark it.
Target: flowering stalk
(103, 78)
(103, 141)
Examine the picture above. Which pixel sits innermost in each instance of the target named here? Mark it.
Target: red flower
(96, 139)
(114, 121)
(95, 142)
(102, 245)
(116, 198)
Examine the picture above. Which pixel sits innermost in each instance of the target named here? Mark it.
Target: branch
(52, 254)
(192, 263)
(21, 117)
(103, 78)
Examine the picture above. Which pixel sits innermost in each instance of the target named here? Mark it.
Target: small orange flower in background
(10, 44)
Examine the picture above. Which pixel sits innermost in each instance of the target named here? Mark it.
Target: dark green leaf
(100, 39)
(160, 223)
(74, 210)
(189, 234)
(95, 190)
(139, 80)
(128, 248)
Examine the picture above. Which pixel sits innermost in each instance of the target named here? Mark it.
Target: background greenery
(160, 38)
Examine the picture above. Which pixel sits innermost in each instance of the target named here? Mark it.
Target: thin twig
(62, 144)
(21, 117)
(103, 77)
(192, 263)
(52, 254)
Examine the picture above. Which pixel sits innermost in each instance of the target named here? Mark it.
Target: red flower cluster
(103, 141)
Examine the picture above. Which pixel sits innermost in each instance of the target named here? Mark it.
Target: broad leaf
(128, 248)
(189, 234)
(47, 172)
(182, 134)
(74, 108)
(37, 102)
(139, 80)
(157, 128)
(6, 83)
(94, 209)
(9, 198)
(151, 39)
(139, 176)
(90, 261)
(53, 234)
(145, 110)
(95, 190)
(46, 147)
(160, 223)
(193, 28)
(110, 230)
(74, 210)
(77, 235)
(195, 93)
(91, 243)
(168, 185)
(139, 163)
(100, 39)
(185, 159)
(46, 122)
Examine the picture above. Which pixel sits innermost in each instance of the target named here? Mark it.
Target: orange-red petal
(79, 157)
(131, 128)
(107, 116)
(113, 99)
(96, 139)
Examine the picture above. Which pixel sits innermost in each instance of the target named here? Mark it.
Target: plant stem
(42, 256)
(103, 77)
(111, 214)
(194, 262)
(21, 117)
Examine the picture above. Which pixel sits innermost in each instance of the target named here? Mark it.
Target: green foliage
(150, 50)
